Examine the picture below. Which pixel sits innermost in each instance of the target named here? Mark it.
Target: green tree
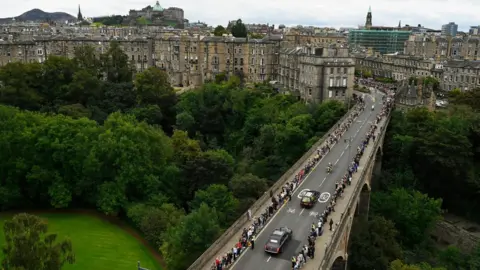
(57, 73)
(151, 114)
(219, 198)
(154, 221)
(186, 241)
(19, 85)
(75, 111)
(413, 213)
(256, 35)
(85, 59)
(142, 21)
(115, 64)
(209, 167)
(140, 152)
(29, 246)
(219, 31)
(248, 186)
(84, 88)
(399, 265)
(373, 244)
(239, 29)
(153, 87)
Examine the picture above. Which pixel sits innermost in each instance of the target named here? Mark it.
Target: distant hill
(38, 15)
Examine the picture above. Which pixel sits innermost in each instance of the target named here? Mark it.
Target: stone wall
(447, 233)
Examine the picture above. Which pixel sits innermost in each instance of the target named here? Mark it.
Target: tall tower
(368, 23)
(79, 16)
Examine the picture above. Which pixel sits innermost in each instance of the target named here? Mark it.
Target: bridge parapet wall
(336, 239)
(218, 248)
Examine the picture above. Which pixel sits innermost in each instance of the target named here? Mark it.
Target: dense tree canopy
(92, 132)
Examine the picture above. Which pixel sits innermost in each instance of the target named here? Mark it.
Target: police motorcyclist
(329, 168)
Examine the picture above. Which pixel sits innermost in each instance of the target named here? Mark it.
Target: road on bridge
(299, 219)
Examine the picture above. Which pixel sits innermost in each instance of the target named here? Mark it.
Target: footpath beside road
(324, 242)
(233, 240)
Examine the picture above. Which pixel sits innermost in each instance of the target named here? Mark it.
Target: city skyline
(309, 12)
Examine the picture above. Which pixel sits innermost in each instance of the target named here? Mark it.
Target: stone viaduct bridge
(335, 255)
(332, 252)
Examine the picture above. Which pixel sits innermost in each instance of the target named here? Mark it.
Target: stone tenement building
(317, 74)
(189, 61)
(293, 39)
(462, 74)
(397, 67)
(442, 47)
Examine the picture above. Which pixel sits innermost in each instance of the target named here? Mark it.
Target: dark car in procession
(277, 240)
(309, 198)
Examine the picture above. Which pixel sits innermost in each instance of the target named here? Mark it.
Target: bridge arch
(366, 188)
(364, 200)
(339, 264)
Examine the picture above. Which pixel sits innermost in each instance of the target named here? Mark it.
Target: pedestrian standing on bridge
(331, 224)
(252, 242)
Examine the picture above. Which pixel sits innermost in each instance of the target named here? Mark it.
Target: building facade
(451, 74)
(461, 74)
(292, 40)
(397, 67)
(381, 40)
(442, 48)
(189, 60)
(317, 74)
(450, 29)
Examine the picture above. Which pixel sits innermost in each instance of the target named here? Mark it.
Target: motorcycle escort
(329, 168)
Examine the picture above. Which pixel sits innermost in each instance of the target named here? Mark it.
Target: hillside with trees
(431, 164)
(80, 133)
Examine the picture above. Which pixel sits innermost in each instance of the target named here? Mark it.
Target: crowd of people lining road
(308, 250)
(247, 238)
(370, 82)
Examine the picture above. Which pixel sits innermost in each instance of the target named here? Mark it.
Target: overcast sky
(343, 13)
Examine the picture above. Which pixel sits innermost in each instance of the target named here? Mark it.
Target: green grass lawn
(98, 244)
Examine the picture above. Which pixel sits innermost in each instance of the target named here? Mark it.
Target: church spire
(400, 24)
(79, 16)
(368, 22)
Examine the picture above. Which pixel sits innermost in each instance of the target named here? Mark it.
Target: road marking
(337, 161)
(302, 211)
(343, 152)
(281, 207)
(291, 210)
(324, 197)
(313, 214)
(269, 258)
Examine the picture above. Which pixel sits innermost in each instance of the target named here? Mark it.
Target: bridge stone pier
(355, 203)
